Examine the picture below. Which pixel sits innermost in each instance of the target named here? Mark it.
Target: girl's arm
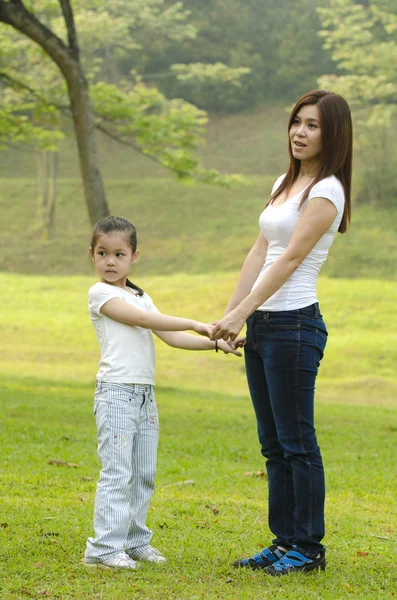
(315, 221)
(188, 341)
(249, 272)
(119, 310)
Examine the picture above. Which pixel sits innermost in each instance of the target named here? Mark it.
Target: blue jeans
(282, 356)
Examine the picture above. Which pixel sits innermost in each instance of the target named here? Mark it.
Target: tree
(363, 42)
(127, 110)
(28, 124)
(301, 58)
(277, 41)
(67, 59)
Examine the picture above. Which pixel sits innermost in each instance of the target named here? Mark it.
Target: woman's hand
(228, 348)
(228, 327)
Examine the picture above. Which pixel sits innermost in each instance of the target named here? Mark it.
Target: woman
(286, 335)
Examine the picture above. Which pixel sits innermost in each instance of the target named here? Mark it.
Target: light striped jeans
(128, 430)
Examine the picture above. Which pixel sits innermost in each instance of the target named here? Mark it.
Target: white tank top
(277, 223)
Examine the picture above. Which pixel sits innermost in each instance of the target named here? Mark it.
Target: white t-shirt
(277, 223)
(127, 352)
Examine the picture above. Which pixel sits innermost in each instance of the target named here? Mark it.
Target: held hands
(228, 327)
(232, 347)
(204, 329)
(227, 346)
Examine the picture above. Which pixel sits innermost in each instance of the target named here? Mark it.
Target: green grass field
(193, 240)
(49, 353)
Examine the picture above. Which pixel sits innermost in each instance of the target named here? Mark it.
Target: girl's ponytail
(134, 287)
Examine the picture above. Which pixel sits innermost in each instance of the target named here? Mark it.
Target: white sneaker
(148, 554)
(119, 561)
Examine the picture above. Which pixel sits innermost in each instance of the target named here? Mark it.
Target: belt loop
(317, 310)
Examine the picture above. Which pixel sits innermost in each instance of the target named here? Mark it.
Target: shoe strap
(271, 554)
(292, 559)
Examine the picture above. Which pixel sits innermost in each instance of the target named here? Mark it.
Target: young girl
(125, 407)
(286, 335)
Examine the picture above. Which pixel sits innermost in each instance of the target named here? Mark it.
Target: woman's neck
(308, 170)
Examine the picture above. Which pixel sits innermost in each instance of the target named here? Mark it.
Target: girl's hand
(239, 342)
(229, 327)
(202, 328)
(228, 348)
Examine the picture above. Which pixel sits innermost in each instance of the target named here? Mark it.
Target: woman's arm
(119, 310)
(249, 272)
(315, 221)
(188, 341)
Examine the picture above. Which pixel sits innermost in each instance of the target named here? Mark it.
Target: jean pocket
(120, 406)
(319, 347)
(101, 396)
(283, 321)
(121, 414)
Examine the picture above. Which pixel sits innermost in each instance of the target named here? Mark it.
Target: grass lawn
(48, 355)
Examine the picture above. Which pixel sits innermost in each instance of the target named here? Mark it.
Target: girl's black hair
(111, 224)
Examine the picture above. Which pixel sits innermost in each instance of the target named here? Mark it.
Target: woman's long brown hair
(337, 147)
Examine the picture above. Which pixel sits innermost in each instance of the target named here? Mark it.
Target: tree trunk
(67, 59)
(41, 162)
(47, 172)
(52, 194)
(85, 137)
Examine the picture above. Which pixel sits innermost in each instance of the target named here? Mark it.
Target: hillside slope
(195, 229)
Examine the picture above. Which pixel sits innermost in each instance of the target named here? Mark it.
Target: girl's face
(305, 134)
(113, 257)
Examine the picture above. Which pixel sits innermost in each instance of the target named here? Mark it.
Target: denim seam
(285, 506)
(302, 445)
(254, 336)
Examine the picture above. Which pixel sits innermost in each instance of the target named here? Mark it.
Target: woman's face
(305, 134)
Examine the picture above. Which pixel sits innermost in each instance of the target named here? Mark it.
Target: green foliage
(277, 42)
(111, 35)
(363, 42)
(125, 109)
(301, 57)
(251, 143)
(31, 93)
(17, 128)
(169, 131)
(207, 435)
